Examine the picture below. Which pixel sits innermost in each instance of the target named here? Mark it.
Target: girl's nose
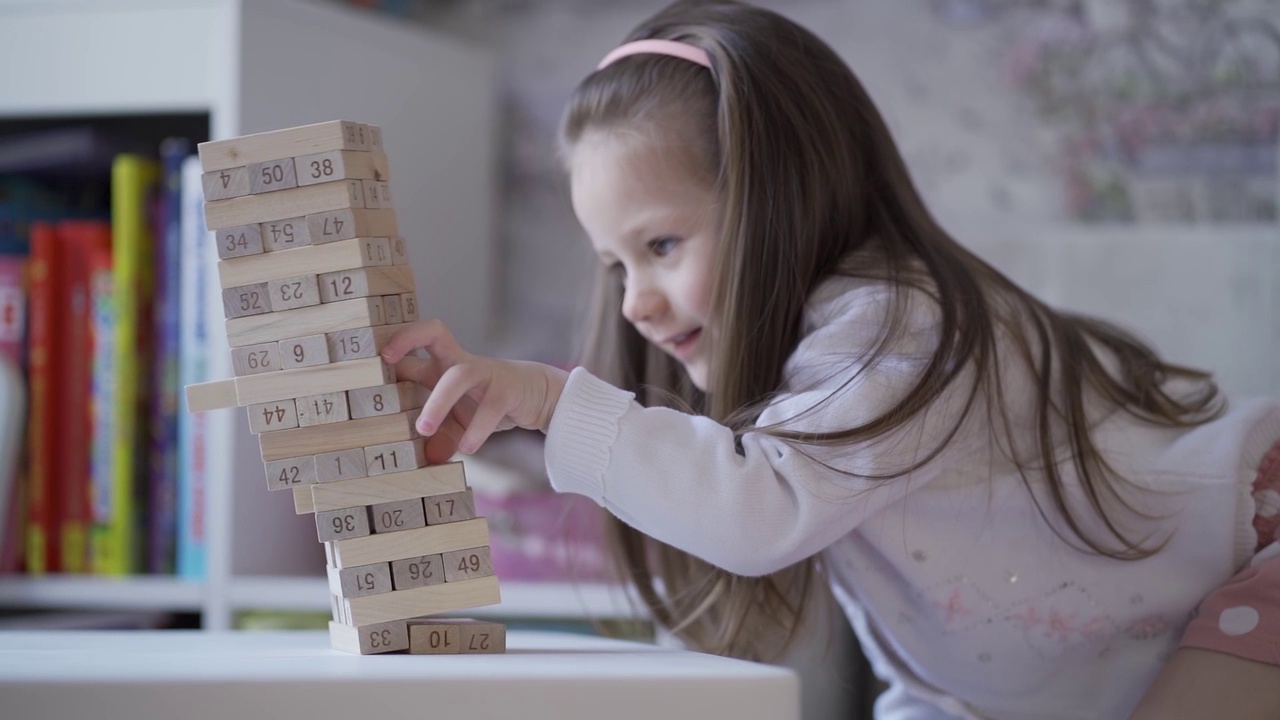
(642, 302)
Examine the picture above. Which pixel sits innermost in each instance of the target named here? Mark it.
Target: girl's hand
(471, 396)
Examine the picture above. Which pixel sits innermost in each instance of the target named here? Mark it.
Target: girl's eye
(663, 246)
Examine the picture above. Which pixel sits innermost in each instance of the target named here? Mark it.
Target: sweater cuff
(581, 435)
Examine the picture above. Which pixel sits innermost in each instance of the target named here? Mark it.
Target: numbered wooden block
(340, 465)
(272, 175)
(360, 581)
(322, 409)
(425, 481)
(417, 572)
(417, 602)
(284, 143)
(341, 165)
(287, 234)
(291, 473)
(343, 524)
(409, 306)
(293, 292)
(213, 395)
(467, 564)
(347, 223)
(364, 282)
(375, 138)
(428, 540)
(478, 637)
(379, 313)
(333, 377)
(239, 242)
(399, 515)
(392, 310)
(385, 399)
(338, 436)
(369, 639)
(351, 344)
(453, 507)
(240, 302)
(399, 251)
(255, 359)
(343, 255)
(395, 457)
(281, 204)
(377, 194)
(278, 415)
(433, 637)
(304, 352)
(301, 322)
(223, 184)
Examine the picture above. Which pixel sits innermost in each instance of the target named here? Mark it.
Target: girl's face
(653, 222)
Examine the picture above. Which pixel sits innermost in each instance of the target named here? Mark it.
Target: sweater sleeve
(757, 504)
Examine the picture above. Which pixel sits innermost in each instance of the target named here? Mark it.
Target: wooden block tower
(315, 277)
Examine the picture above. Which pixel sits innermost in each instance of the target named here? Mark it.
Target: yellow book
(116, 538)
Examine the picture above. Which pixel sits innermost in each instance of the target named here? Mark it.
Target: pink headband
(673, 48)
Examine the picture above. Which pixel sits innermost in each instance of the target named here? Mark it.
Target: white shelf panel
(137, 592)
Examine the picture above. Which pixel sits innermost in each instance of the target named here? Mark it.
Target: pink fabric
(1242, 617)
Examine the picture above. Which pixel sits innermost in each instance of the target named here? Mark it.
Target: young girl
(796, 375)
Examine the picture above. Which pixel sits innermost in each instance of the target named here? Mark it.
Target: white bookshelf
(254, 65)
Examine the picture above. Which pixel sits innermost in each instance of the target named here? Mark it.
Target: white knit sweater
(963, 596)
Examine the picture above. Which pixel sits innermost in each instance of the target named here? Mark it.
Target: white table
(193, 675)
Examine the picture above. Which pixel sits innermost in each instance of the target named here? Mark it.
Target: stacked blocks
(315, 278)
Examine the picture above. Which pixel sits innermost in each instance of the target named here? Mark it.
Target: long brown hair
(807, 175)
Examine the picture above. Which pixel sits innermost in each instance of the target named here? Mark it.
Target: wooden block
(246, 301)
(395, 457)
(242, 241)
(338, 436)
(322, 409)
(341, 465)
(385, 199)
(341, 165)
(284, 143)
(433, 637)
(277, 415)
(300, 322)
(303, 352)
(369, 639)
(296, 473)
(409, 306)
(254, 389)
(271, 175)
(302, 501)
(255, 359)
(375, 304)
(410, 543)
(391, 306)
(399, 251)
(335, 225)
(375, 138)
(308, 200)
(360, 581)
(467, 564)
(450, 508)
(427, 481)
(479, 637)
(397, 516)
(337, 609)
(287, 234)
(343, 524)
(357, 252)
(377, 194)
(364, 282)
(385, 399)
(417, 572)
(293, 292)
(351, 344)
(429, 600)
(223, 184)
(213, 395)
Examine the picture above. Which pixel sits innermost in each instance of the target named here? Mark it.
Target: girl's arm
(1198, 683)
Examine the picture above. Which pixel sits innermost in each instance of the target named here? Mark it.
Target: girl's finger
(444, 443)
(455, 383)
(431, 335)
(483, 423)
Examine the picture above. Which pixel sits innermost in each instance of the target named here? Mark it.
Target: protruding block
(466, 564)
(394, 546)
(428, 481)
(360, 581)
(308, 200)
(338, 436)
(451, 508)
(287, 234)
(296, 473)
(271, 175)
(433, 637)
(343, 524)
(300, 322)
(335, 225)
(417, 572)
(398, 515)
(223, 184)
(385, 399)
(409, 306)
(395, 457)
(239, 302)
(255, 359)
(344, 255)
(369, 639)
(363, 282)
(430, 600)
(341, 465)
(304, 352)
(277, 415)
(242, 241)
(213, 395)
(341, 165)
(254, 389)
(322, 409)
(285, 143)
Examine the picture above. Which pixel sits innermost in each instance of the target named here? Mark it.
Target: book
(102, 376)
(44, 367)
(13, 332)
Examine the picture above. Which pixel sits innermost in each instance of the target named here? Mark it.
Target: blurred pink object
(540, 535)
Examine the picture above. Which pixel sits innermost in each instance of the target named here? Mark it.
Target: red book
(44, 368)
(13, 348)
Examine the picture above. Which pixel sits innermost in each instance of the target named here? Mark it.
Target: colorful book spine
(13, 334)
(44, 364)
(101, 342)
